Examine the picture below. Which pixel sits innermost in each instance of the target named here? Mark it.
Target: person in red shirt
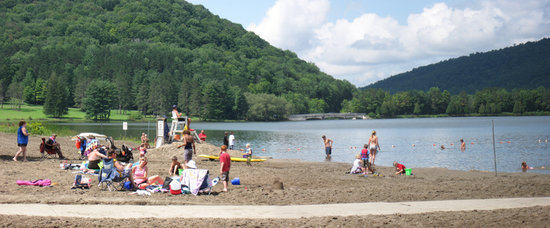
(202, 136)
(225, 165)
(399, 168)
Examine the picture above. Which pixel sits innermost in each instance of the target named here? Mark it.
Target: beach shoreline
(304, 183)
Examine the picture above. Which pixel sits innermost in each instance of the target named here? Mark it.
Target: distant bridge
(322, 116)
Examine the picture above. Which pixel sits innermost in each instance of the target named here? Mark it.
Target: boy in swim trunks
(328, 146)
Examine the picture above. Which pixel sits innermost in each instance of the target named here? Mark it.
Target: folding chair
(109, 178)
(47, 152)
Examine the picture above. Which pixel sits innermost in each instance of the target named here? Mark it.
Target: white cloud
(371, 47)
(289, 24)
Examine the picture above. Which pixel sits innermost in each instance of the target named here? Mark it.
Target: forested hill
(156, 54)
(521, 66)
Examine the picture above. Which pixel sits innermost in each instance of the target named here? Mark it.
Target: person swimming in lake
(462, 145)
(525, 167)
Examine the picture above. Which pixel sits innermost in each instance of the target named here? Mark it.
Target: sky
(369, 40)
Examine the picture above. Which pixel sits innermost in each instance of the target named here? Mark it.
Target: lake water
(517, 140)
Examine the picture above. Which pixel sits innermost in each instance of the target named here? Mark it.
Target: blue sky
(365, 41)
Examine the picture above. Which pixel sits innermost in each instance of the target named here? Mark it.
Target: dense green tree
(56, 103)
(218, 102)
(240, 108)
(298, 103)
(266, 107)
(100, 99)
(317, 105)
(3, 89)
(29, 89)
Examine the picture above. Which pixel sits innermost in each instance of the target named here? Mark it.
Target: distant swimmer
(442, 147)
(525, 167)
(328, 146)
(462, 145)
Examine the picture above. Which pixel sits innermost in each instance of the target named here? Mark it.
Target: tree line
(490, 101)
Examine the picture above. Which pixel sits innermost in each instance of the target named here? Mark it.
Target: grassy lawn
(34, 112)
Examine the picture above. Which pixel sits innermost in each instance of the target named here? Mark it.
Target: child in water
(525, 167)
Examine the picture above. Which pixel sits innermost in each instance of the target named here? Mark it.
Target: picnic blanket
(193, 179)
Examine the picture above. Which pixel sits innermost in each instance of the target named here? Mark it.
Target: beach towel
(39, 182)
(193, 178)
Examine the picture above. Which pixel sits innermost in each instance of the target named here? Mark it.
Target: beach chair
(47, 152)
(109, 178)
(211, 183)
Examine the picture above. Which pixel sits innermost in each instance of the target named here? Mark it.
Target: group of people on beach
(23, 139)
(364, 162)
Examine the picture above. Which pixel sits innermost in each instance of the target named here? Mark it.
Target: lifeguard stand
(178, 125)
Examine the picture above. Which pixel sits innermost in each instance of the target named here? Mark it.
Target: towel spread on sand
(39, 182)
(193, 178)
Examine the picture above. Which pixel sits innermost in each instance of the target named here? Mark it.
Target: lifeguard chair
(178, 126)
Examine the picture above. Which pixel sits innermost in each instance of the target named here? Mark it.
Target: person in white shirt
(357, 166)
(231, 141)
(175, 113)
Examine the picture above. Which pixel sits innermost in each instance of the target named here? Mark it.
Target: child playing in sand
(399, 168)
(225, 165)
(248, 154)
(357, 166)
(174, 167)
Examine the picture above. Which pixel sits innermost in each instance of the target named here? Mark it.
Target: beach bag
(128, 185)
(81, 182)
(175, 188)
(167, 182)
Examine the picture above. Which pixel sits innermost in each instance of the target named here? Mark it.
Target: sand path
(262, 212)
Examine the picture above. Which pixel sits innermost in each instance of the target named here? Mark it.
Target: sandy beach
(304, 183)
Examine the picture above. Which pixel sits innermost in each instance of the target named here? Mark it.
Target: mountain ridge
(524, 66)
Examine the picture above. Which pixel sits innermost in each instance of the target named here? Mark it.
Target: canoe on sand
(213, 157)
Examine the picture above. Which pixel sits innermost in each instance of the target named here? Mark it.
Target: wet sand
(304, 183)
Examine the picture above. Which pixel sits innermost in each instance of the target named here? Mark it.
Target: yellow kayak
(213, 157)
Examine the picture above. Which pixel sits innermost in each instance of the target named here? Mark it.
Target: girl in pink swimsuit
(140, 175)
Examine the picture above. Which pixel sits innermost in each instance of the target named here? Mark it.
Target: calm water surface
(517, 140)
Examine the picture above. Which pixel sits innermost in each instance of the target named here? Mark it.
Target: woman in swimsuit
(139, 174)
(373, 147)
(189, 144)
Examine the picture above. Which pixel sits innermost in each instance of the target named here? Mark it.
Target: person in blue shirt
(22, 140)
